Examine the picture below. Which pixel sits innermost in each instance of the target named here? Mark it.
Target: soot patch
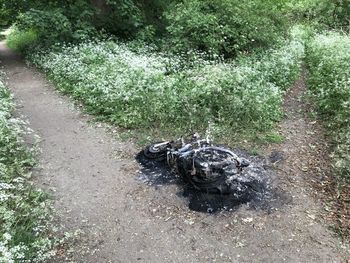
(155, 172)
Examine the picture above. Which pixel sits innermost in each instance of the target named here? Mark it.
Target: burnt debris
(213, 178)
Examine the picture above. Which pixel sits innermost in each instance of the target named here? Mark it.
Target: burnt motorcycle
(209, 168)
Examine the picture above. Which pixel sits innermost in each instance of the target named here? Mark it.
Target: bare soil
(93, 179)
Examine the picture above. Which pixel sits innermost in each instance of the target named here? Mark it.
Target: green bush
(74, 10)
(324, 13)
(144, 89)
(122, 17)
(24, 211)
(224, 27)
(130, 19)
(21, 40)
(282, 66)
(54, 25)
(328, 59)
(50, 26)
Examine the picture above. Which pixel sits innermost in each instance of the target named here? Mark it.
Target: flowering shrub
(145, 89)
(23, 211)
(328, 59)
(282, 66)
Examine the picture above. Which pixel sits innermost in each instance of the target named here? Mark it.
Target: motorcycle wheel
(155, 152)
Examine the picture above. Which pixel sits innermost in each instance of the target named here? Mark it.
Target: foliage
(124, 17)
(221, 27)
(4, 18)
(328, 59)
(132, 18)
(10, 9)
(16, 7)
(144, 89)
(280, 66)
(330, 13)
(24, 211)
(81, 16)
(21, 40)
(52, 22)
(225, 27)
(48, 25)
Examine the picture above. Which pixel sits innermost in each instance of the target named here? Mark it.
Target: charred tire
(156, 153)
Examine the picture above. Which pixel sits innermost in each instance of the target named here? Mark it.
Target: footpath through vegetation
(273, 78)
(92, 178)
(138, 88)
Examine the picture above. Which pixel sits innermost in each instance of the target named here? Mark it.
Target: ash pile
(213, 177)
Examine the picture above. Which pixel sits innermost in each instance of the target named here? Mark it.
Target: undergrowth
(143, 89)
(328, 59)
(19, 40)
(24, 210)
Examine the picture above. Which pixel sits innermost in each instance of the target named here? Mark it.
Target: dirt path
(123, 220)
